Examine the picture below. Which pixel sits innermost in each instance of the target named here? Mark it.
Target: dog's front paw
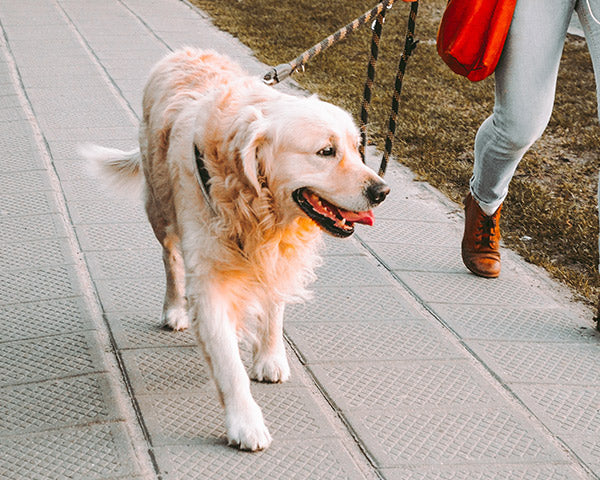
(247, 430)
(273, 369)
(175, 318)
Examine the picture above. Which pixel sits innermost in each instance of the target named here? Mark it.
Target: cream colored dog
(239, 180)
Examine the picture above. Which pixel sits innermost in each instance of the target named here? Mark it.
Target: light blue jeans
(525, 89)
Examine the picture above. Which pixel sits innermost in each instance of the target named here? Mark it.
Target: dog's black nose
(376, 192)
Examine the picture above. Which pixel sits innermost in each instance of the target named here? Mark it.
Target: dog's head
(307, 151)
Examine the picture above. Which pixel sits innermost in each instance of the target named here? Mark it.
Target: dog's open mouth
(333, 219)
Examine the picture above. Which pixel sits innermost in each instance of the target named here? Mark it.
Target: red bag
(472, 34)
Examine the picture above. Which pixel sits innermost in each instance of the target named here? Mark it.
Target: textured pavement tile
(94, 452)
(488, 472)
(167, 370)
(21, 321)
(352, 270)
(42, 284)
(468, 436)
(412, 233)
(56, 404)
(289, 412)
(361, 304)
(400, 256)
(99, 211)
(28, 203)
(112, 264)
(131, 294)
(28, 181)
(587, 447)
(116, 236)
(509, 323)
(564, 409)
(42, 253)
(285, 460)
(404, 385)
(49, 358)
(347, 341)
(560, 363)
(33, 227)
(144, 330)
(470, 289)
(399, 207)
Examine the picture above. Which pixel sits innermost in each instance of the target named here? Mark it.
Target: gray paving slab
(404, 365)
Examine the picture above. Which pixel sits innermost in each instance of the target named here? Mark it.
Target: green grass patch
(550, 215)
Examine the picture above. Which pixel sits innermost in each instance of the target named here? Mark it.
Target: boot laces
(487, 232)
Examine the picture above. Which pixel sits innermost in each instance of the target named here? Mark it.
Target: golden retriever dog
(239, 180)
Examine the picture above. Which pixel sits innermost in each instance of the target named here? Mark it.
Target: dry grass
(550, 214)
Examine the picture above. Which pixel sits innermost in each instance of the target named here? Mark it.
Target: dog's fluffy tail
(117, 169)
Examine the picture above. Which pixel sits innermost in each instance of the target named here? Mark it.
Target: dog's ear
(255, 135)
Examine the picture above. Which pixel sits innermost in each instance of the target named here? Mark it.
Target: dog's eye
(327, 152)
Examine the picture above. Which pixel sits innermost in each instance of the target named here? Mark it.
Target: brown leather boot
(481, 240)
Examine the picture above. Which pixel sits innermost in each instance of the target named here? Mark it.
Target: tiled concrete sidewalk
(404, 365)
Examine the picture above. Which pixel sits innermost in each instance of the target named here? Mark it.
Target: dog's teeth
(343, 222)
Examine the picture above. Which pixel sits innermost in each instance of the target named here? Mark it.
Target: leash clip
(277, 74)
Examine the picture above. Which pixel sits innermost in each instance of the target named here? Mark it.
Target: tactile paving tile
(341, 246)
(289, 413)
(132, 294)
(398, 256)
(30, 181)
(412, 233)
(18, 152)
(489, 472)
(470, 436)
(114, 211)
(565, 410)
(29, 203)
(14, 229)
(41, 284)
(143, 330)
(94, 452)
(41, 319)
(468, 288)
(352, 304)
(402, 209)
(284, 460)
(508, 323)
(47, 358)
(35, 254)
(353, 270)
(59, 403)
(345, 341)
(587, 448)
(561, 363)
(167, 370)
(404, 386)
(116, 236)
(126, 263)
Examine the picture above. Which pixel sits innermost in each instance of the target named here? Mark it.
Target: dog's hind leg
(270, 362)
(214, 320)
(174, 313)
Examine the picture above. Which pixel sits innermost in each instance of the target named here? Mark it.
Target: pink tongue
(366, 218)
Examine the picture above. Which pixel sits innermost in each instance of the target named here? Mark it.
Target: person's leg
(525, 88)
